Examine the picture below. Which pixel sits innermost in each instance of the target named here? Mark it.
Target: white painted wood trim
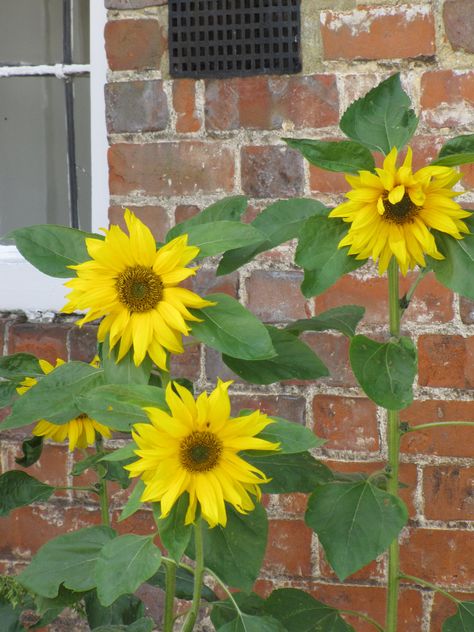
(61, 71)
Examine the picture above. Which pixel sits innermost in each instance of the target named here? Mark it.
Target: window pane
(80, 32)
(83, 149)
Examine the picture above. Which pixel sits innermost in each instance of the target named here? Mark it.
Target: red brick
(322, 181)
(446, 361)
(444, 608)
(347, 423)
(272, 102)
(187, 364)
(205, 282)
(170, 168)
(432, 302)
(447, 98)
(405, 31)
(441, 441)
(155, 217)
(184, 103)
(46, 341)
(371, 572)
(82, 342)
(140, 523)
(185, 211)
(439, 556)
(52, 468)
(467, 310)
(459, 25)
(272, 172)
(293, 504)
(334, 352)
(136, 106)
(215, 368)
(134, 44)
(289, 548)
(449, 492)
(291, 407)
(275, 296)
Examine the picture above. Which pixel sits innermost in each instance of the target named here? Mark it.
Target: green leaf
(134, 502)
(124, 372)
(279, 223)
(224, 611)
(19, 366)
(10, 617)
(385, 371)
(382, 119)
(174, 534)
(217, 237)
(298, 611)
(121, 454)
(346, 155)
(344, 319)
(111, 470)
(184, 584)
(32, 449)
(318, 253)
(51, 249)
(68, 559)
(124, 564)
(457, 151)
(8, 393)
(119, 407)
(248, 623)
(463, 620)
(18, 489)
(124, 611)
(52, 607)
(291, 436)
(53, 397)
(233, 330)
(145, 624)
(294, 360)
(355, 522)
(230, 208)
(298, 472)
(456, 271)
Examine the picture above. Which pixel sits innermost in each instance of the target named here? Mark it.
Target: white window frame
(22, 287)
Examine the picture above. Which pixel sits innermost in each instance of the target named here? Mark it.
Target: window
(53, 140)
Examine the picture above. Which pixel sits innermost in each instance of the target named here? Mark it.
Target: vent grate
(222, 38)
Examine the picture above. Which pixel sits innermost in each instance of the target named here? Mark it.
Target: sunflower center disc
(402, 212)
(200, 451)
(139, 288)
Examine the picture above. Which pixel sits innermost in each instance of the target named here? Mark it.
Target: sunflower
(134, 286)
(195, 450)
(392, 211)
(80, 431)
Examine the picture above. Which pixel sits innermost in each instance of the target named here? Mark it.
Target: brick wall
(176, 146)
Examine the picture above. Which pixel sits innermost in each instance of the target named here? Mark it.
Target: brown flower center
(200, 451)
(402, 212)
(139, 288)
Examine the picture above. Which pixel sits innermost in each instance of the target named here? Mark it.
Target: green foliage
(52, 249)
(344, 319)
(32, 449)
(300, 612)
(299, 472)
(125, 371)
(225, 611)
(53, 398)
(51, 608)
(278, 223)
(18, 489)
(232, 329)
(68, 559)
(145, 624)
(318, 253)
(111, 470)
(382, 119)
(456, 271)
(227, 209)
(174, 534)
(385, 371)
(134, 502)
(8, 393)
(355, 522)
(294, 360)
(457, 151)
(346, 155)
(184, 584)
(124, 611)
(20, 365)
(463, 620)
(217, 237)
(291, 436)
(123, 564)
(10, 616)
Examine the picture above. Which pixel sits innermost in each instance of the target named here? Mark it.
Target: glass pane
(31, 32)
(33, 163)
(80, 32)
(82, 119)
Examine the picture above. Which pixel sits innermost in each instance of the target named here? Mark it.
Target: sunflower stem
(436, 424)
(198, 577)
(169, 596)
(102, 487)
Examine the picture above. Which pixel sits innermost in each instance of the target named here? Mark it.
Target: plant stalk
(188, 625)
(423, 582)
(169, 596)
(102, 488)
(393, 441)
(437, 424)
(364, 617)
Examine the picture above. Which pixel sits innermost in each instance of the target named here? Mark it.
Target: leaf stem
(364, 617)
(79, 488)
(436, 424)
(169, 596)
(423, 582)
(188, 625)
(406, 298)
(224, 587)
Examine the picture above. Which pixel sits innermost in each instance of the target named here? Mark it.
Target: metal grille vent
(222, 38)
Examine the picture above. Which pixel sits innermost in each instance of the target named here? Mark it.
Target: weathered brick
(447, 98)
(322, 181)
(155, 217)
(184, 103)
(45, 341)
(289, 548)
(82, 343)
(170, 168)
(51, 467)
(187, 364)
(272, 102)
(334, 352)
(449, 492)
(446, 361)
(347, 423)
(136, 106)
(271, 172)
(206, 282)
(134, 44)
(467, 310)
(443, 608)
(185, 211)
(405, 31)
(291, 407)
(443, 440)
(275, 296)
(293, 504)
(371, 572)
(459, 25)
